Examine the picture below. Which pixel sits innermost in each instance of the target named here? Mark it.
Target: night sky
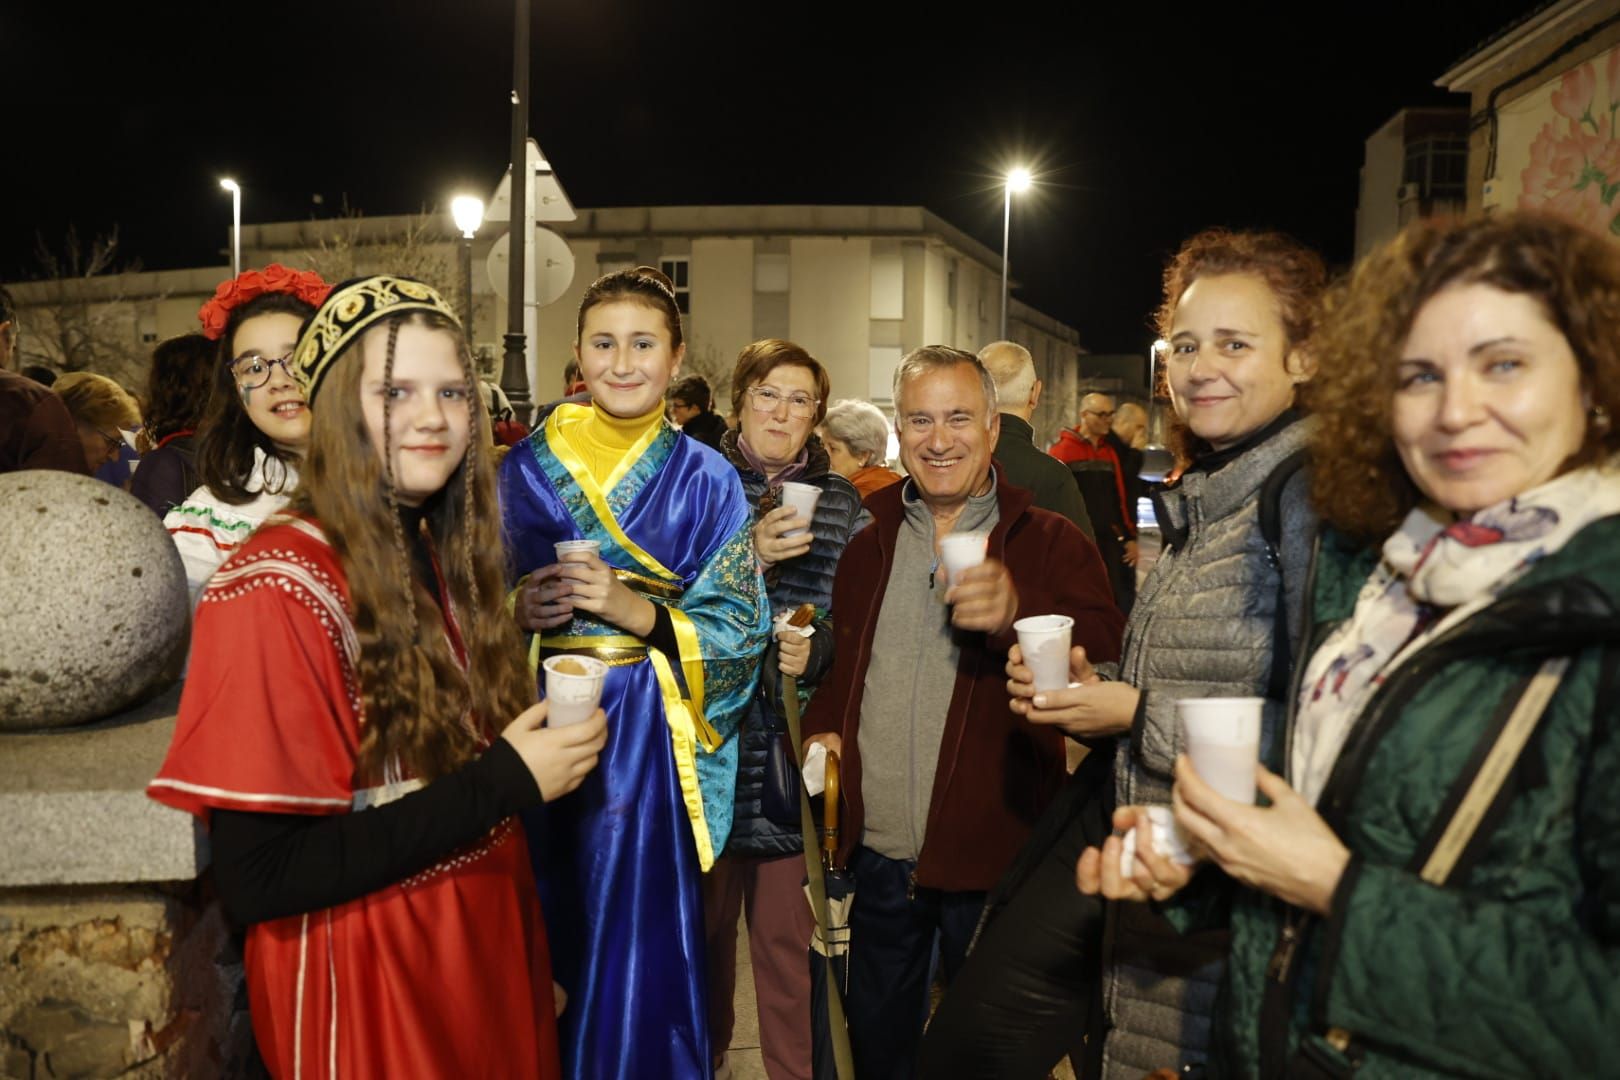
(1142, 127)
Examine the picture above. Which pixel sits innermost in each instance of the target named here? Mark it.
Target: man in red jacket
(941, 779)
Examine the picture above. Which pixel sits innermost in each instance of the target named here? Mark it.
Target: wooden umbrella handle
(829, 815)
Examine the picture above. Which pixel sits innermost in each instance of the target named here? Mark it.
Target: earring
(1598, 417)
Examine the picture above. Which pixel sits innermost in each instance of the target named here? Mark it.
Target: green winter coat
(1512, 969)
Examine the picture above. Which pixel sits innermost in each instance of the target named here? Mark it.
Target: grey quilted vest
(1202, 626)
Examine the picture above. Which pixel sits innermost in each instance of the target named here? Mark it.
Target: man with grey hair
(941, 780)
(36, 429)
(1018, 392)
(1130, 425)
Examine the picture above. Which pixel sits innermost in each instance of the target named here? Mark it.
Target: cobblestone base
(130, 981)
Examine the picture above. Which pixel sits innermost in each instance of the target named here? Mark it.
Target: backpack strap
(1271, 493)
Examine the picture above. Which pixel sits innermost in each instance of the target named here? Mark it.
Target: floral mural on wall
(1574, 167)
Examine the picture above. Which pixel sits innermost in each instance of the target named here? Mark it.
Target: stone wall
(137, 981)
(114, 959)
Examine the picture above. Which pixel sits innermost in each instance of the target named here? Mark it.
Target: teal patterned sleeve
(729, 610)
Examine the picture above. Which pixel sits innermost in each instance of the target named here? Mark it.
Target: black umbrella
(831, 889)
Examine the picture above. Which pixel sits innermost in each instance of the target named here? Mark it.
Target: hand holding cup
(983, 598)
(780, 535)
(1156, 876)
(544, 600)
(559, 758)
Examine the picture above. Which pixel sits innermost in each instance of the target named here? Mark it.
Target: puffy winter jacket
(1513, 968)
(1203, 626)
(807, 579)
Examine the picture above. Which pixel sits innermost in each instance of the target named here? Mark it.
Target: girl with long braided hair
(340, 730)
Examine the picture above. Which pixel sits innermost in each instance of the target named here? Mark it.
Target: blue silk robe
(618, 861)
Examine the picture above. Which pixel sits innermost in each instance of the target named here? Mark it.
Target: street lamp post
(1017, 181)
(236, 223)
(468, 212)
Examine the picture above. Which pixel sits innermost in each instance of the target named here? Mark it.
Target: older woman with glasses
(257, 421)
(856, 435)
(779, 392)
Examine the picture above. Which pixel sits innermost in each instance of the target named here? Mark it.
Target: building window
(1438, 165)
(678, 269)
(772, 273)
(888, 286)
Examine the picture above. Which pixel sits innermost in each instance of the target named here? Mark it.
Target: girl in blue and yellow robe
(619, 860)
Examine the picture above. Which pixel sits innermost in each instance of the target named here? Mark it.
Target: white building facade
(857, 286)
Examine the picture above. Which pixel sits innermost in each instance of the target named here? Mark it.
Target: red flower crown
(307, 285)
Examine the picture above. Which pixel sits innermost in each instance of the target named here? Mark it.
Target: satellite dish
(549, 255)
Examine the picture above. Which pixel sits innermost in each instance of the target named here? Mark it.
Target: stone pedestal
(114, 961)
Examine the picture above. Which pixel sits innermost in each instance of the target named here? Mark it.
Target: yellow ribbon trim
(594, 493)
(684, 732)
(686, 638)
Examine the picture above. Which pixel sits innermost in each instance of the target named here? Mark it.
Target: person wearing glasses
(1093, 458)
(100, 409)
(672, 601)
(780, 393)
(257, 421)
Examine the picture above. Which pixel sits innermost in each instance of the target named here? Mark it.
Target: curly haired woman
(1434, 889)
(1213, 619)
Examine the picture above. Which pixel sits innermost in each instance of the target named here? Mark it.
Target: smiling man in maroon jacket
(942, 781)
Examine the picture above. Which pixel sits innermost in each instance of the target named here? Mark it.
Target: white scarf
(1433, 575)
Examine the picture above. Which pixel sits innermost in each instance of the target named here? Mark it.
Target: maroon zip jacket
(996, 771)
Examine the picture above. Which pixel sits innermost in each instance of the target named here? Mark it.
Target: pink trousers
(770, 893)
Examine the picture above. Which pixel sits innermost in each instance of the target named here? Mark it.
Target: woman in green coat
(1423, 894)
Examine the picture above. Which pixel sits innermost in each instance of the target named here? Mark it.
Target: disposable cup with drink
(573, 688)
(960, 552)
(803, 499)
(566, 548)
(1168, 842)
(1222, 738)
(1044, 641)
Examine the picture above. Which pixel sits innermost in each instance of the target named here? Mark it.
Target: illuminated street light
(468, 212)
(1018, 181)
(236, 223)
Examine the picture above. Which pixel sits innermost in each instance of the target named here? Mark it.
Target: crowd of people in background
(1389, 521)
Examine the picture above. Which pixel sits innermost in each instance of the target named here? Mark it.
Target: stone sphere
(95, 611)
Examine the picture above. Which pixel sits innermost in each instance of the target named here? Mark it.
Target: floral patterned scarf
(1434, 574)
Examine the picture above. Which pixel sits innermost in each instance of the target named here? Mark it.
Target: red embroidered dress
(446, 973)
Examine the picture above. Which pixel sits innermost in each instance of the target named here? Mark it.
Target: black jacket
(706, 427)
(807, 579)
(1023, 464)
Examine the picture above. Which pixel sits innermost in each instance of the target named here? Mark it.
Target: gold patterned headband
(349, 311)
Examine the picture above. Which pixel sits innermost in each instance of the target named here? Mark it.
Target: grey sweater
(909, 682)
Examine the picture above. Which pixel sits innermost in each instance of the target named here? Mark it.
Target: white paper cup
(1222, 737)
(1044, 641)
(565, 547)
(1167, 841)
(803, 499)
(961, 551)
(572, 698)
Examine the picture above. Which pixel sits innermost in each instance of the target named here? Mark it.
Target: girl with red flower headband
(257, 421)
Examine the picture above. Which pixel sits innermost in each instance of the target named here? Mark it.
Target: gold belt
(649, 586)
(614, 650)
